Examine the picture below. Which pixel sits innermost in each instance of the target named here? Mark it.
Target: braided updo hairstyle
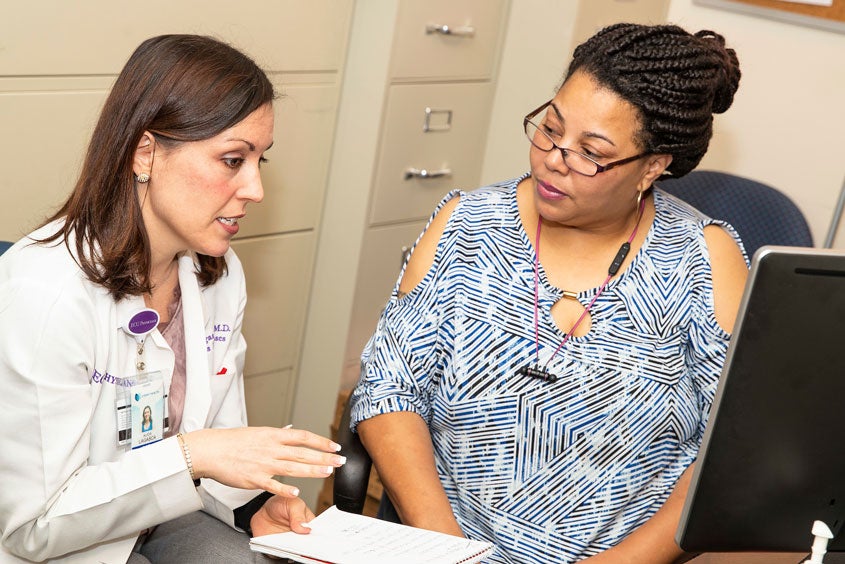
(675, 79)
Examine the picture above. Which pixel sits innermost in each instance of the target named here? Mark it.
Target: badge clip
(139, 326)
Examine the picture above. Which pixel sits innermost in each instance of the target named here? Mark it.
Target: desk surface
(763, 558)
(750, 558)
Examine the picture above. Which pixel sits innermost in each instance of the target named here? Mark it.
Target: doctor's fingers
(304, 462)
(301, 437)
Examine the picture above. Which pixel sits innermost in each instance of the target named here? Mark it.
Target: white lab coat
(68, 491)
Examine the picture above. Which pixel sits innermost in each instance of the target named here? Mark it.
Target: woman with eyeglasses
(542, 373)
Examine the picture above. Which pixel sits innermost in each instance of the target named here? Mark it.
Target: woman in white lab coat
(131, 296)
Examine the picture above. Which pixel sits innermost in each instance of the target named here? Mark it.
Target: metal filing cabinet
(437, 104)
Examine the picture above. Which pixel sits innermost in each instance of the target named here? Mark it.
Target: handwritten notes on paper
(338, 537)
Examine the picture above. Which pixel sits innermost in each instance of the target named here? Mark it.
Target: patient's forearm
(401, 449)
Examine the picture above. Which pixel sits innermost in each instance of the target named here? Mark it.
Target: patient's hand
(281, 514)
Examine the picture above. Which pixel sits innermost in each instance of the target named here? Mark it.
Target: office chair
(352, 479)
(761, 215)
(4, 246)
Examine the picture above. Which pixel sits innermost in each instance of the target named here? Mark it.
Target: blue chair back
(4, 246)
(761, 214)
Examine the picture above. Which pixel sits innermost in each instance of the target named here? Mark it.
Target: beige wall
(595, 14)
(787, 124)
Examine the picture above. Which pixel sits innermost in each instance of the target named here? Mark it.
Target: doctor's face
(147, 414)
(199, 190)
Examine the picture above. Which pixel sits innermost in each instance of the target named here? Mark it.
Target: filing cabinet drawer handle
(423, 173)
(465, 31)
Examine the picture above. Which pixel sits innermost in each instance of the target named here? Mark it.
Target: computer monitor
(772, 460)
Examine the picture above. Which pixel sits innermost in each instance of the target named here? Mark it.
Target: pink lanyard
(543, 373)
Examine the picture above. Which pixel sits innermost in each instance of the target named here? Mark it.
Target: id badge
(146, 407)
(142, 416)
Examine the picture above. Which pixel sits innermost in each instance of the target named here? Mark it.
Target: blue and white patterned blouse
(551, 472)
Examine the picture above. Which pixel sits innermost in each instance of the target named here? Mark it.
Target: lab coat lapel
(197, 361)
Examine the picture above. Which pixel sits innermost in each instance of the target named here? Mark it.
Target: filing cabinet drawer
(296, 164)
(454, 143)
(278, 275)
(378, 270)
(31, 189)
(283, 35)
(466, 48)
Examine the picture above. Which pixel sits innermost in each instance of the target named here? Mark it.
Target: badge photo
(147, 413)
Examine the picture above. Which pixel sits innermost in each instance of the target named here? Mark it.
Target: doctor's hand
(249, 457)
(279, 515)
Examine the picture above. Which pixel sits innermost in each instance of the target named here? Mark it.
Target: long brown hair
(182, 88)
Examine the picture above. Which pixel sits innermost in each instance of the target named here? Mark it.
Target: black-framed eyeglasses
(579, 162)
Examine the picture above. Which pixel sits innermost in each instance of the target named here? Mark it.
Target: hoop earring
(639, 197)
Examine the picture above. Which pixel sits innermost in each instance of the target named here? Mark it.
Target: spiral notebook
(338, 537)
